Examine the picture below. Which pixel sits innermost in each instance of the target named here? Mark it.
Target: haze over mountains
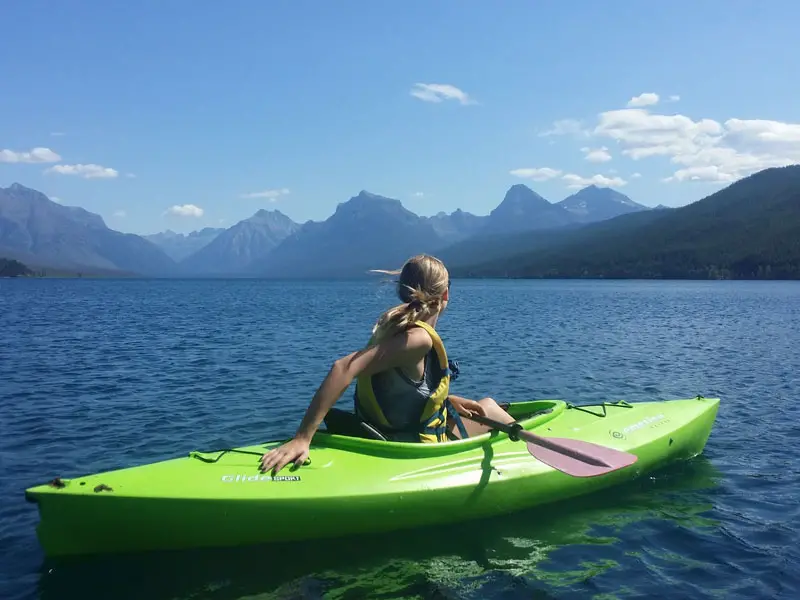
(749, 229)
(179, 245)
(39, 232)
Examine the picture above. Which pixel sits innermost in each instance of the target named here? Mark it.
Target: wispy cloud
(536, 174)
(418, 194)
(120, 214)
(35, 155)
(646, 99)
(597, 155)
(268, 194)
(577, 181)
(439, 92)
(572, 127)
(90, 171)
(185, 210)
(57, 133)
(572, 180)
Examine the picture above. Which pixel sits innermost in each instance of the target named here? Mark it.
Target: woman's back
(402, 398)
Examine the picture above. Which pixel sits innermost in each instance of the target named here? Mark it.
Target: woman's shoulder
(416, 337)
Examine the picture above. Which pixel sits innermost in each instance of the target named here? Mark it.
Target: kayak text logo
(647, 421)
(248, 478)
(655, 421)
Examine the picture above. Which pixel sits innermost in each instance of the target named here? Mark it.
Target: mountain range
(750, 229)
(366, 231)
(42, 233)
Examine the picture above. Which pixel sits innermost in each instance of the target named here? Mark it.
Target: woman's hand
(295, 450)
(466, 407)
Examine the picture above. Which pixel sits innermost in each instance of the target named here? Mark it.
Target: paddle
(573, 457)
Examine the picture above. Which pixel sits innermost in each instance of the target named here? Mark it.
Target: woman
(402, 376)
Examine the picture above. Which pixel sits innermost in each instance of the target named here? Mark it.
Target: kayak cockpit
(346, 430)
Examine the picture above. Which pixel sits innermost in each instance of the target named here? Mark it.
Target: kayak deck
(356, 485)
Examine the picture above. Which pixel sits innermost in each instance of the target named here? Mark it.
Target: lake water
(102, 374)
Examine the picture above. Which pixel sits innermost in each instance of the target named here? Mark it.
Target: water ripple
(104, 374)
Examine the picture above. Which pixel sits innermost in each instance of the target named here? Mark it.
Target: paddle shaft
(515, 432)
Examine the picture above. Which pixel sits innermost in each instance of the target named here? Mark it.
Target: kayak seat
(343, 422)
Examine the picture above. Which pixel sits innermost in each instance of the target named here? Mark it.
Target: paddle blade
(578, 458)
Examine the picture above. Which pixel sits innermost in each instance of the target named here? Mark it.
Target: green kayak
(357, 484)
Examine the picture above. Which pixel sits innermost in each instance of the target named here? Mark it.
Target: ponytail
(422, 283)
(401, 317)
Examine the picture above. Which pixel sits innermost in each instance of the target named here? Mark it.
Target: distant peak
(365, 195)
(264, 213)
(18, 187)
(365, 198)
(28, 194)
(519, 192)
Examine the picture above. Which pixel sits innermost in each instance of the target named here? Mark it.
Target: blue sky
(133, 110)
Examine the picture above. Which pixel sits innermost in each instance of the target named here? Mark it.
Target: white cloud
(57, 133)
(706, 149)
(700, 149)
(130, 175)
(596, 155)
(90, 171)
(418, 194)
(711, 173)
(536, 174)
(36, 155)
(644, 134)
(577, 182)
(763, 130)
(566, 127)
(268, 194)
(56, 199)
(438, 92)
(646, 99)
(185, 210)
(120, 214)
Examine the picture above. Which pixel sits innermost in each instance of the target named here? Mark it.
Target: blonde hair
(422, 284)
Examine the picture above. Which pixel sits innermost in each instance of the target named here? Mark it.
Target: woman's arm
(465, 406)
(399, 350)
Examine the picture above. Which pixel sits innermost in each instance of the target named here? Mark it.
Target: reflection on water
(539, 553)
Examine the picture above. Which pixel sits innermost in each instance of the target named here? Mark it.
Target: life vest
(431, 426)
